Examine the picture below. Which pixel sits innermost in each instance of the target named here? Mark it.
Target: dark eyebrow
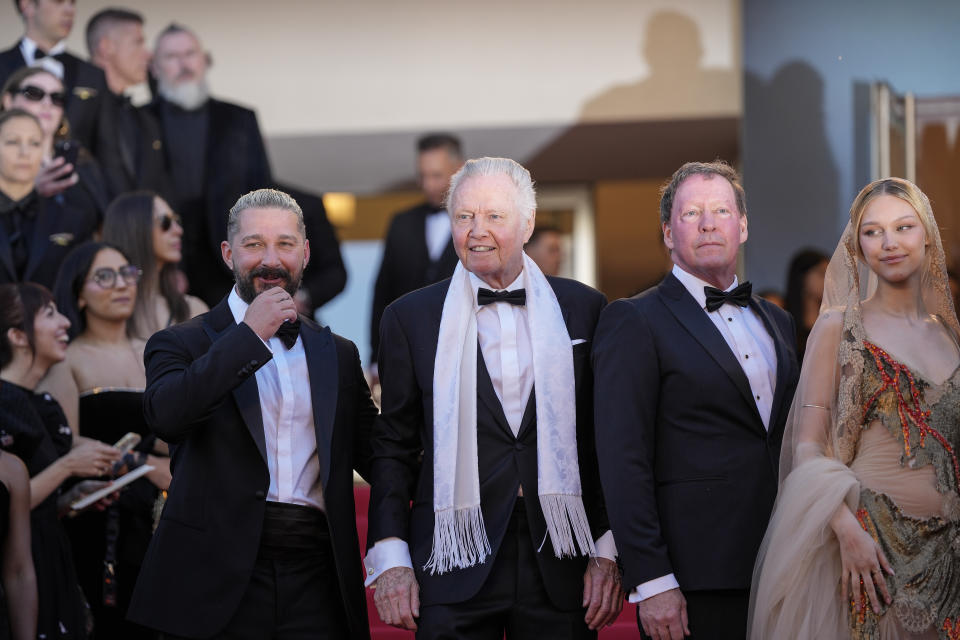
(252, 236)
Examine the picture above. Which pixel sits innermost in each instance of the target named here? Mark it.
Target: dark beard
(247, 291)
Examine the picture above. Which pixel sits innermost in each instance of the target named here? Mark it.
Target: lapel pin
(61, 239)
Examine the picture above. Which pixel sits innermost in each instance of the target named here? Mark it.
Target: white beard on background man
(188, 94)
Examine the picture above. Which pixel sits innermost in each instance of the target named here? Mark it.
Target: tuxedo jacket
(202, 398)
(404, 434)
(406, 264)
(235, 163)
(59, 226)
(131, 164)
(688, 469)
(85, 84)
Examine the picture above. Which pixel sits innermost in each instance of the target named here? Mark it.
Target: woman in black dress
(33, 336)
(100, 386)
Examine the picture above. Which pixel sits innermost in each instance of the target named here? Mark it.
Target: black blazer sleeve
(182, 391)
(397, 441)
(627, 378)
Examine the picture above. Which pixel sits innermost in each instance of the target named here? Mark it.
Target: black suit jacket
(689, 471)
(202, 397)
(85, 84)
(59, 227)
(236, 163)
(406, 264)
(404, 432)
(134, 163)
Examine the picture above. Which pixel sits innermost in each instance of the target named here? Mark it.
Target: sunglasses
(106, 277)
(167, 221)
(36, 94)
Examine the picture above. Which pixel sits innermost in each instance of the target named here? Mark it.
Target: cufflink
(370, 571)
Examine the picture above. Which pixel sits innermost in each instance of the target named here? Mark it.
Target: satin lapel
(43, 227)
(679, 301)
(324, 372)
(246, 394)
(6, 257)
(488, 394)
(783, 359)
(529, 414)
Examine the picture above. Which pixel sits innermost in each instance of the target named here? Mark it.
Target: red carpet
(625, 626)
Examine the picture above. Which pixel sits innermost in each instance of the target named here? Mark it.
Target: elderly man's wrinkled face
(706, 229)
(489, 230)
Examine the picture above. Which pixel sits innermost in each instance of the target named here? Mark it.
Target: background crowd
(111, 220)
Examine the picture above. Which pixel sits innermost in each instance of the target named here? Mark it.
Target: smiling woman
(100, 385)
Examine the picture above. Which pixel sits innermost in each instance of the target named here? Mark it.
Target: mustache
(270, 273)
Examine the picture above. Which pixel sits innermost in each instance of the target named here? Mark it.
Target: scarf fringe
(459, 540)
(567, 520)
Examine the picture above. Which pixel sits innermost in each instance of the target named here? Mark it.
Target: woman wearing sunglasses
(67, 168)
(100, 386)
(144, 227)
(33, 337)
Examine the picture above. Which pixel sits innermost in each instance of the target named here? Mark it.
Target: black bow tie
(288, 333)
(39, 53)
(739, 296)
(517, 296)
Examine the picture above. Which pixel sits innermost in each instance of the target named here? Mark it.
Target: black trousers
(293, 592)
(512, 602)
(715, 615)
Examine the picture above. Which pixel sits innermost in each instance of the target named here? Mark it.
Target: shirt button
(729, 319)
(518, 446)
(758, 397)
(747, 357)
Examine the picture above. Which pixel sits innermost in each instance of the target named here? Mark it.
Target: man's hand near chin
(397, 596)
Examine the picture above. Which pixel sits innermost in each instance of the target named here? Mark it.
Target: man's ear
(743, 229)
(226, 251)
(667, 235)
(306, 252)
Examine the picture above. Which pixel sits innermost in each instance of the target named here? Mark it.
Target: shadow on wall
(789, 172)
(676, 87)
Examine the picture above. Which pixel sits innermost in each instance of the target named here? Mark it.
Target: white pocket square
(577, 341)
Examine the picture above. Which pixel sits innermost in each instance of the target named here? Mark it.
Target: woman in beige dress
(864, 541)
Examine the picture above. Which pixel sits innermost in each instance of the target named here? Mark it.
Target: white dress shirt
(28, 49)
(438, 233)
(748, 339)
(287, 408)
(505, 344)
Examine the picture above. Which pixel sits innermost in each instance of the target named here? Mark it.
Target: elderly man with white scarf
(487, 428)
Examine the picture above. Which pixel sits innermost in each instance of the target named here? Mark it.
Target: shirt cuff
(606, 547)
(386, 554)
(653, 587)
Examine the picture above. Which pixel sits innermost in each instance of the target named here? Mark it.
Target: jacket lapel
(323, 369)
(246, 394)
(679, 301)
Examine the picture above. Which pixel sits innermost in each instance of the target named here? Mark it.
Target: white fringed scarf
(459, 536)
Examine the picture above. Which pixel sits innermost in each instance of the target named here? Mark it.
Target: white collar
(695, 285)
(237, 306)
(29, 49)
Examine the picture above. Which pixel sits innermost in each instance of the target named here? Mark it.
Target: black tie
(516, 297)
(288, 333)
(739, 296)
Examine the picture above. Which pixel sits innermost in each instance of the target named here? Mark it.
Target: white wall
(362, 67)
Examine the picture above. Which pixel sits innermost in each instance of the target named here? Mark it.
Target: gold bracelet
(816, 406)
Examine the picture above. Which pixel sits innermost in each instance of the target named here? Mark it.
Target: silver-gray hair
(264, 199)
(526, 195)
